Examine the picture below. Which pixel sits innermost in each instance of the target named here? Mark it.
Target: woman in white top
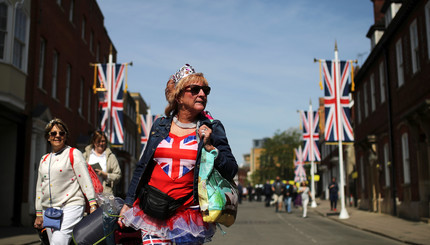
(305, 193)
(61, 186)
(98, 154)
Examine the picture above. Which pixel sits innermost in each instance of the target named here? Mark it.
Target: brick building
(392, 102)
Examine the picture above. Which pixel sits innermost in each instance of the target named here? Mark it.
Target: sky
(258, 55)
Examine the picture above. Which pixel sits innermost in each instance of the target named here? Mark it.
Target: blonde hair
(174, 92)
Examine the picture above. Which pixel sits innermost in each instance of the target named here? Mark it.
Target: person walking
(267, 190)
(278, 190)
(289, 189)
(305, 194)
(104, 162)
(169, 166)
(333, 190)
(61, 186)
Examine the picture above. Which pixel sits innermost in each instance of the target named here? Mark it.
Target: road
(256, 224)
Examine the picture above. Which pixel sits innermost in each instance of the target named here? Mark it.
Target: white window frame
(84, 22)
(415, 57)
(427, 14)
(42, 54)
(386, 166)
(20, 40)
(71, 10)
(68, 82)
(55, 62)
(372, 93)
(3, 54)
(382, 81)
(366, 101)
(400, 64)
(406, 159)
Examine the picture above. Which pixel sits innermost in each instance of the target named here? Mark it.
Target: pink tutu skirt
(185, 227)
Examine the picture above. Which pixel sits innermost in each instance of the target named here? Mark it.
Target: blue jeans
(288, 204)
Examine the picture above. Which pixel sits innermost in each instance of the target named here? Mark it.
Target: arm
(81, 171)
(225, 163)
(115, 175)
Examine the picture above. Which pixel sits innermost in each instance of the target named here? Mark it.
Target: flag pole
(311, 153)
(109, 90)
(343, 213)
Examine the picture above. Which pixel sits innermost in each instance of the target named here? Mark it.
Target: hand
(205, 134)
(38, 222)
(124, 209)
(101, 173)
(93, 208)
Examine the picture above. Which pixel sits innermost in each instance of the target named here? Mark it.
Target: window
(391, 12)
(59, 2)
(386, 168)
(413, 32)
(83, 28)
(19, 43)
(358, 107)
(91, 41)
(81, 96)
(399, 59)
(372, 93)
(98, 52)
(55, 58)
(427, 13)
(366, 101)
(382, 81)
(71, 10)
(3, 28)
(405, 158)
(42, 61)
(68, 79)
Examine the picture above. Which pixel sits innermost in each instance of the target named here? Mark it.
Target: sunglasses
(195, 89)
(54, 133)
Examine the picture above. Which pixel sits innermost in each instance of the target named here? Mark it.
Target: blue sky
(256, 54)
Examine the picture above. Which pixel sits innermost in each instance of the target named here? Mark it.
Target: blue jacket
(225, 163)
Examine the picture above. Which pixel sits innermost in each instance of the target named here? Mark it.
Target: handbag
(218, 197)
(158, 204)
(52, 218)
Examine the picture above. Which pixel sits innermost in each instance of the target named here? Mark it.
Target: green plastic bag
(218, 197)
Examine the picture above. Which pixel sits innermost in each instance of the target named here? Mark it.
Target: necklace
(184, 125)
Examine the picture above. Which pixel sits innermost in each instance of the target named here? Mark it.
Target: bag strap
(49, 176)
(71, 156)
(182, 200)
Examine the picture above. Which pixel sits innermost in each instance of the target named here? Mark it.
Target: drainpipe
(390, 133)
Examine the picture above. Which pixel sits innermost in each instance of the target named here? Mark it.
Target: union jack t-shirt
(175, 159)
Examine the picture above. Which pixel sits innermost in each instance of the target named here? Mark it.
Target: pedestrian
(278, 190)
(104, 162)
(240, 190)
(288, 197)
(169, 166)
(250, 191)
(333, 190)
(305, 194)
(267, 190)
(61, 186)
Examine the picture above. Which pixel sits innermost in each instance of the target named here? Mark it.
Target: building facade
(392, 102)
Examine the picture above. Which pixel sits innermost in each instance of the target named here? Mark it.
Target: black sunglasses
(195, 89)
(54, 133)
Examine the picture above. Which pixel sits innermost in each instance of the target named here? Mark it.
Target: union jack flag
(115, 132)
(331, 130)
(310, 133)
(146, 122)
(299, 170)
(184, 152)
(154, 240)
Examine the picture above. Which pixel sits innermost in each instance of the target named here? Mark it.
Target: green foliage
(277, 157)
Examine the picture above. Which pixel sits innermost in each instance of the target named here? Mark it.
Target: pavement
(401, 230)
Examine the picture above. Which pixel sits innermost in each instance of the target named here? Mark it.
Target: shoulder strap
(71, 156)
(47, 155)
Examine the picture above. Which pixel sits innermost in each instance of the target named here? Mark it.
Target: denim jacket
(225, 163)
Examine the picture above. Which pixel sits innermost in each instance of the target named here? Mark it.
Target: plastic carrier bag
(218, 197)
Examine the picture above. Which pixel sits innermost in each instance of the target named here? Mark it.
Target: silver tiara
(185, 71)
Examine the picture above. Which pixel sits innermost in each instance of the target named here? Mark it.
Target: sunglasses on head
(54, 133)
(195, 89)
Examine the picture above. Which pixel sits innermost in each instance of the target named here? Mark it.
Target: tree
(278, 156)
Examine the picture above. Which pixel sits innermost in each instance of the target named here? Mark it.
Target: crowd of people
(285, 195)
